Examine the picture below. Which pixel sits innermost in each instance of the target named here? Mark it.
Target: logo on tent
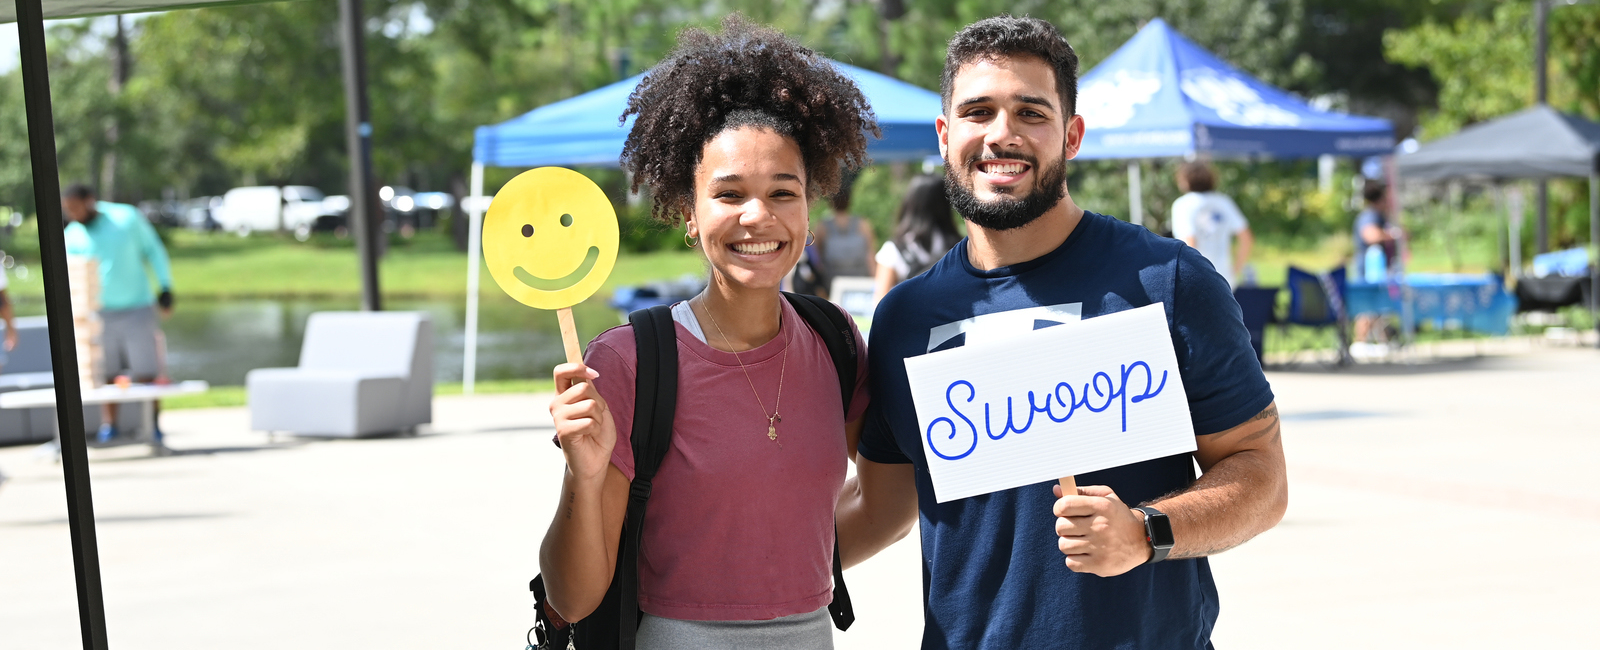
(1232, 99)
(1110, 103)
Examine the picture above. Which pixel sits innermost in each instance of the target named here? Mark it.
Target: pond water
(221, 340)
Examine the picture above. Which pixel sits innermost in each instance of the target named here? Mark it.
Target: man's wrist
(1149, 551)
(1158, 533)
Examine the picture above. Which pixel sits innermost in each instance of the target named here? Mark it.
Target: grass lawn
(218, 266)
(224, 266)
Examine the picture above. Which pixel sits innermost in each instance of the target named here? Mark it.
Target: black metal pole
(365, 210)
(58, 310)
(1541, 86)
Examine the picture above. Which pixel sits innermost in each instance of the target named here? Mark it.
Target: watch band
(1158, 532)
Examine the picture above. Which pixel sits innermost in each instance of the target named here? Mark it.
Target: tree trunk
(119, 79)
(889, 11)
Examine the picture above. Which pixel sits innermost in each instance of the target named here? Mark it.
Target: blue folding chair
(1317, 301)
(1256, 307)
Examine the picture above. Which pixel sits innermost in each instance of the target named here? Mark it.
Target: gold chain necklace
(775, 418)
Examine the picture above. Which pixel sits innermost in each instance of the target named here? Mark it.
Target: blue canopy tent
(583, 131)
(1160, 95)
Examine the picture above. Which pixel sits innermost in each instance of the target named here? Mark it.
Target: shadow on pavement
(1400, 368)
(119, 519)
(1330, 415)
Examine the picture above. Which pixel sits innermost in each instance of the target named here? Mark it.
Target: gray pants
(812, 631)
(133, 343)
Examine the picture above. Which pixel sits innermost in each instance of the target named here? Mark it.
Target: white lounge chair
(360, 374)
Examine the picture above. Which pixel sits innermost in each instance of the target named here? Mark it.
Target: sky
(9, 57)
(8, 47)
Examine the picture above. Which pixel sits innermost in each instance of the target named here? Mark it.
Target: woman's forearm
(579, 553)
(876, 508)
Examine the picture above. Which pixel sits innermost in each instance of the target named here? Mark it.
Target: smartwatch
(1157, 531)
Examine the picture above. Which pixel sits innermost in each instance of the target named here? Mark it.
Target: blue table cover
(1477, 302)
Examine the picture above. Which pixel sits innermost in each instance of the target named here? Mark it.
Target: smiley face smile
(558, 284)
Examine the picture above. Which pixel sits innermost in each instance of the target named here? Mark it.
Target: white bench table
(109, 394)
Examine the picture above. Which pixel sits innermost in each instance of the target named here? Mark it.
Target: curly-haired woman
(736, 134)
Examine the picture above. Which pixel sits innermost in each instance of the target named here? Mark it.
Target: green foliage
(1575, 43)
(227, 96)
(1482, 65)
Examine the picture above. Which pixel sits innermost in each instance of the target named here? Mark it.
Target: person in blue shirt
(127, 249)
(1030, 567)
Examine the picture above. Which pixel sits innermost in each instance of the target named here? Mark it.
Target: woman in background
(845, 240)
(924, 232)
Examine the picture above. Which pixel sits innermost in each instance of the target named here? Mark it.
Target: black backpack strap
(834, 328)
(830, 323)
(655, 405)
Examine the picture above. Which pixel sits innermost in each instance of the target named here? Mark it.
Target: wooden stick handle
(569, 335)
(1069, 486)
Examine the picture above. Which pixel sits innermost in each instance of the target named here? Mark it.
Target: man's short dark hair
(1006, 36)
(1198, 175)
(1374, 190)
(79, 191)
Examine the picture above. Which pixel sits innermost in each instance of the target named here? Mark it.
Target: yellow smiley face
(550, 238)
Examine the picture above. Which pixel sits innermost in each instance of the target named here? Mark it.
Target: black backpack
(655, 402)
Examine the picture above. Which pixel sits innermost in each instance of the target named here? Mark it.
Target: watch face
(1160, 529)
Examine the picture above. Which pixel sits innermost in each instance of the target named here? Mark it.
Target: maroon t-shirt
(739, 527)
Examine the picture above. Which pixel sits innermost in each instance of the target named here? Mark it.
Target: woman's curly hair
(748, 75)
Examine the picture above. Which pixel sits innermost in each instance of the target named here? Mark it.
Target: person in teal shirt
(127, 249)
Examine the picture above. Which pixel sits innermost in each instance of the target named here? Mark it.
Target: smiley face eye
(527, 230)
(566, 220)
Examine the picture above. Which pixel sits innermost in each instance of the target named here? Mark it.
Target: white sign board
(1049, 403)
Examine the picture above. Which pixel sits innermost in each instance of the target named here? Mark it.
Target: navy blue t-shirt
(992, 574)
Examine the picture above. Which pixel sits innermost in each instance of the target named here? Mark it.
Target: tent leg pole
(469, 365)
(58, 310)
(1514, 230)
(1135, 194)
(1594, 251)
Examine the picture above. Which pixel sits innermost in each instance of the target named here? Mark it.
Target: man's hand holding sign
(1063, 401)
(1055, 402)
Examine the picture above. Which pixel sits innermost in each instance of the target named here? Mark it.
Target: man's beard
(1006, 212)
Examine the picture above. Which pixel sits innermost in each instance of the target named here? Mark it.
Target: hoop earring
(691, 243)
(811, 238)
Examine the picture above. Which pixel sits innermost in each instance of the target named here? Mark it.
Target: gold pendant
(772, 432)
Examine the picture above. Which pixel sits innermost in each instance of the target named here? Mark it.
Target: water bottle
(1376, 269)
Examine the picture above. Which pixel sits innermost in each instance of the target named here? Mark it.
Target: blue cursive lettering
(1110, 389)
(971, 393)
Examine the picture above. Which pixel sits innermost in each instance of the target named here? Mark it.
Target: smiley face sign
(550, 238)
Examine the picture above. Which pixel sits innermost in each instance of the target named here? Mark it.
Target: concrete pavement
(1441, 504)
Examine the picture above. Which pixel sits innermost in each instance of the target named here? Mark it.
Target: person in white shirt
(925, 230)
(1209, 221)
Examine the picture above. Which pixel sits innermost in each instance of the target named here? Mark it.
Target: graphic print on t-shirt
(998, 326)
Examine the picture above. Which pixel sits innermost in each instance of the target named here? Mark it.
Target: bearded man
(1120, 563)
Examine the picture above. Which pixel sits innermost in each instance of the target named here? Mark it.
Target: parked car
(298, 208)
(163, 213)
(431, 205)
(197, 213)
